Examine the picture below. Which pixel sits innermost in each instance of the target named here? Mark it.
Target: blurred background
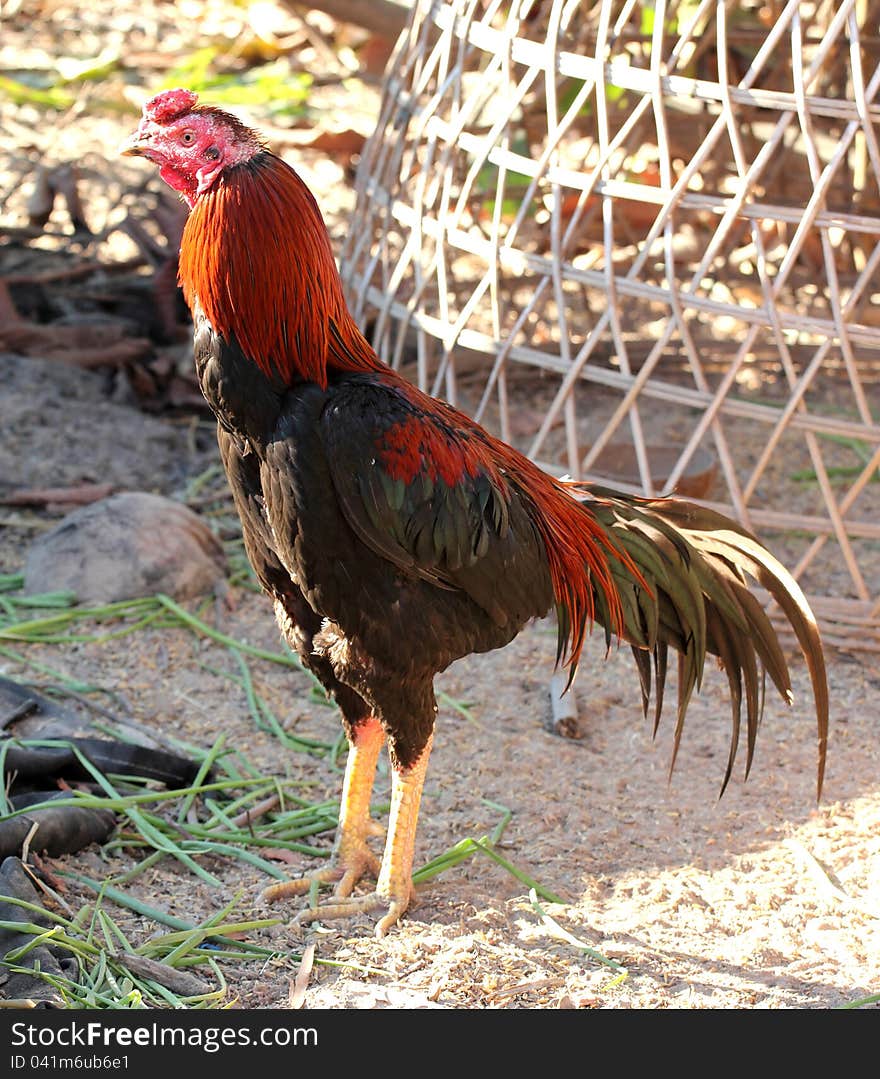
(89, 240)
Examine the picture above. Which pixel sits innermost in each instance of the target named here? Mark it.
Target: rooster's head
(192, 144)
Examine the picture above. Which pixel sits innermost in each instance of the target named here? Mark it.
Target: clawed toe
(352, 858)
(344, 874)
(354, 905)
(303, 885)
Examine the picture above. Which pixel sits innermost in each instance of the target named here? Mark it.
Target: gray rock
(125, 546)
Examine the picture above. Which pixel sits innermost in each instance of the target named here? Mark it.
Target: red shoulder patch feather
(411, 446)
(436, 439)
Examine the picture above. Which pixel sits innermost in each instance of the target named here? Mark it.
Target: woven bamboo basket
(640, 242)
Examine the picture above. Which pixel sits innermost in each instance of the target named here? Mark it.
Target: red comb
(169, 105)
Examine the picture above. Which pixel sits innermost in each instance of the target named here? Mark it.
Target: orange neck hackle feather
(256, 257)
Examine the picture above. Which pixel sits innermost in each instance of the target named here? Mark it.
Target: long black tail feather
(697, 565)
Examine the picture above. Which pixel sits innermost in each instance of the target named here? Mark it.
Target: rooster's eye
(187, 137)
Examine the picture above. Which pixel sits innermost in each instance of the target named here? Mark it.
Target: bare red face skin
(191, 144)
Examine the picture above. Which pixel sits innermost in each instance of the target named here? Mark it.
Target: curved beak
(133, 146)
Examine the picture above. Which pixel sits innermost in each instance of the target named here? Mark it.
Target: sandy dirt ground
(759, 900)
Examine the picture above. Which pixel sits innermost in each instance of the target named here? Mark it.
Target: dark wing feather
(472, 532)
(243, 472)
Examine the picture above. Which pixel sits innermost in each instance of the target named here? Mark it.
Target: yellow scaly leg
(351, 858)
(394, 886)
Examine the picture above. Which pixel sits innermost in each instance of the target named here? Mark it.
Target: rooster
(395, 535)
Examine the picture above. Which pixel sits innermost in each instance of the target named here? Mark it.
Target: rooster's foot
(394, 906)
(348, 868)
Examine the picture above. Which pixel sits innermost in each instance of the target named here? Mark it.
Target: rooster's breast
(240, 395)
